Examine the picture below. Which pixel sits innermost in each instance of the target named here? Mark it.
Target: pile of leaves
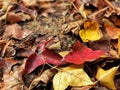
(59, 44)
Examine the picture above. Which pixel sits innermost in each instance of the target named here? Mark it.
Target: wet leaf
(80, 54)
(106, 77)
(72, 75)
(91, 32)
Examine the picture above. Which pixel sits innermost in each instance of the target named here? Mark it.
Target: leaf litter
(59, 44)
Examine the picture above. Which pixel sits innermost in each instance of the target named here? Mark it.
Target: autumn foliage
(59, 45)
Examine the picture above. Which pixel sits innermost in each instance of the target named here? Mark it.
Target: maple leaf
(72, 75)
(80, 54)
(91, 32)
(42, 56)
(106, 77)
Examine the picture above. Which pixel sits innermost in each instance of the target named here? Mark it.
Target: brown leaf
(101, 45)
(44, 77)
(13, 17)
(15, 31)
(12, 77)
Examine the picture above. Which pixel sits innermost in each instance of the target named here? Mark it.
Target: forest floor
(59, 44)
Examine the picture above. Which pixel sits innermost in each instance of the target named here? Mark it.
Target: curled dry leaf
(106, 77)
(67, 27)
(72, 75)
(13, 17)
(84, 12)
(6, 3)
(80, 54)
(91, 32)
(15, 31)
(5, 48)
(44, 77)
(12, 79)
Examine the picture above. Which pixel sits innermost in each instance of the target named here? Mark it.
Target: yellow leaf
(63, 53)
(106, 77)
(72, 75)
(91, 32)
(55, 46)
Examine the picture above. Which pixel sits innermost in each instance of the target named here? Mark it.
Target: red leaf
(42, 56)
(80, 53)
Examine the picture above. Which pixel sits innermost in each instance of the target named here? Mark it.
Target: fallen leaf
(80, 54)
(44, 78)
(100, 44)
(13, 17)
(112, 31)
(5, 48)
(63, 53)
(84, 12)
(55, 46)
(106, 77)
(29, 2)
(15, 31)
(7, 3)
(82, 88)
(91, 32)
(12, 77)
(43, 56)
(72, 75)
(119, 45)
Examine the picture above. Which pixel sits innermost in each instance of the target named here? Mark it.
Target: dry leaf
(72, 75)
(15, 31)
(44, 77)
(63, 53)
(84, 12)
(112, 31)
(12, 77)
(106, 77)
(55, 46)
(91, 32)
(29, 2)
(119, 45)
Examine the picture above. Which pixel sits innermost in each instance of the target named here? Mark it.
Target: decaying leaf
(29, 2)
(84, 12)
(15, 31)
(13, 17)
(106, 77)
(112, 31)
(91, 32)
(119, 45)
(12, 79)
(80, 54)
(72, 75)
(44, 77)
(6, 4)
